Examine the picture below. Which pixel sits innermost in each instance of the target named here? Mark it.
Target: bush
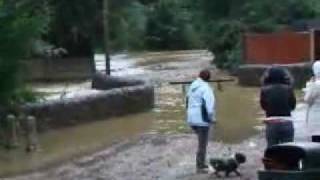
(170, 27)
(21, 23)
(225, 43)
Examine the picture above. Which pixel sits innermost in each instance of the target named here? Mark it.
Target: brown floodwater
(62, 144)
(236, 115)
(237, 112)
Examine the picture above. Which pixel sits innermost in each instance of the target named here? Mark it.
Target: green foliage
(21, 22)
(169, 26)
(276, 12)
(225, 42)
(165, 24)
(73, 25)
(25, 95)
(127, 22)
(134, 24)
(187, 24)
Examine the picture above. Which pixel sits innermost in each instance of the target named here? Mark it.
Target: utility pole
(106, 35)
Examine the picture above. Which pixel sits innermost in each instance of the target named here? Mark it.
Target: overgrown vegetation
(170, 26)
(73, 26)
(21, 22)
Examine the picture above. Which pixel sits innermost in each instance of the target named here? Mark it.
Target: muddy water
(63, 144)
(237, 111)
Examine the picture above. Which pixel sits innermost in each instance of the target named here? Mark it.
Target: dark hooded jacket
(277, 96)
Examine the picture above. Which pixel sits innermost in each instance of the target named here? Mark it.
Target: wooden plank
(213, 81)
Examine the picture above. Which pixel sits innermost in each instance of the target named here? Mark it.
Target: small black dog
(228, 165)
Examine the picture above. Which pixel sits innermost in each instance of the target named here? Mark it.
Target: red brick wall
(277, 48)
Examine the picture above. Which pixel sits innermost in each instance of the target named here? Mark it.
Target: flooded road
(237, 111)
(65, 144)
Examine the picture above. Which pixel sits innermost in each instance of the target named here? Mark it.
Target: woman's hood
(316, 69)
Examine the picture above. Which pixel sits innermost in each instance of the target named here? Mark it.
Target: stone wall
(250, 75)
(96, 105)
(63, 69)
(103, 82)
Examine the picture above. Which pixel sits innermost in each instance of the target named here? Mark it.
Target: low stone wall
(104, 82)
(63, 69)
(250, 75)
(96, 105)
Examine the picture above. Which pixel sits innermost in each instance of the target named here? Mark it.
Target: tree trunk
(106, 35)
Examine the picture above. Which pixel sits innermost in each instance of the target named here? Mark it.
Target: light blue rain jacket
(200, 104)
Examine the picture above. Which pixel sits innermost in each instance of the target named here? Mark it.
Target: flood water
(237, 113)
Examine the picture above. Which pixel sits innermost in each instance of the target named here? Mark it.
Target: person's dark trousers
(202, 133)
(280, 132)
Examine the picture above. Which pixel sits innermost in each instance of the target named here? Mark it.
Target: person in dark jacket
(277, 99)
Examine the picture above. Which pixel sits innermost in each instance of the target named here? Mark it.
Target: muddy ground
(154, 157)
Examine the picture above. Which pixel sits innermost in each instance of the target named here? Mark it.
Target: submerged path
(166, 150)
(159, 157)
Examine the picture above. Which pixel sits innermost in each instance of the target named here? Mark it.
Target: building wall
(277, 48)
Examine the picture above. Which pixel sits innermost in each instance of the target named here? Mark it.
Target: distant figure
(277, 99)
(312, 98)
(200, 104)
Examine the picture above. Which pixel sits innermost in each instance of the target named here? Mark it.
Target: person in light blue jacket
(200, 104)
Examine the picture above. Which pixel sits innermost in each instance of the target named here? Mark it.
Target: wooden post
(31, 134)
(185, 88)
(312, 45)
(11, 132)
(244, 49)
(106, 35)
(210, 81)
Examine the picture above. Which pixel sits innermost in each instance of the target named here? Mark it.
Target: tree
(169, 26)
(21, 22)
(73, 26)
(106, 35)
